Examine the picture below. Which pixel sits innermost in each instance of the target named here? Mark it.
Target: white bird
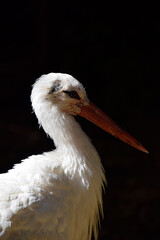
(58, 195)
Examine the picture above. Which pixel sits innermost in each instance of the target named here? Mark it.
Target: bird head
(68, 95)
(60, 90)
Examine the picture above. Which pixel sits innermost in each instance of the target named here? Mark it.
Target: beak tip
(143, 149)
(146, 151)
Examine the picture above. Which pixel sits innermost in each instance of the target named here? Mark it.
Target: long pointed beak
(95, 115)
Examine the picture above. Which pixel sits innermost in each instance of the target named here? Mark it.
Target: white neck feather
(71, 141)
(61, 127)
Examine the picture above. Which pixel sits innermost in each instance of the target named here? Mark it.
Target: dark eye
(73, 94)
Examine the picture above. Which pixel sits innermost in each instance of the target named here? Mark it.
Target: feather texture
(56, 195)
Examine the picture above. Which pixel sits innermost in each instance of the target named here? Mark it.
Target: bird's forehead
(71, 83)
(58, 81)
(66, 81)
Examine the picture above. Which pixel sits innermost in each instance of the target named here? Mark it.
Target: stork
(58, 195)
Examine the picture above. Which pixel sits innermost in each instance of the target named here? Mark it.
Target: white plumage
(56, 195)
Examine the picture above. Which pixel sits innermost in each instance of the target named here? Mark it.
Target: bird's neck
(76, 148)
(62, 128)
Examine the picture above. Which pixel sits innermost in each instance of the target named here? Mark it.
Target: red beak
(95, 115)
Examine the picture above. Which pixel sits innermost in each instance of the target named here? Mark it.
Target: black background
(114, 50)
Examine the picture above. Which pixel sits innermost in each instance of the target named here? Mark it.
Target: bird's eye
(73, 94)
